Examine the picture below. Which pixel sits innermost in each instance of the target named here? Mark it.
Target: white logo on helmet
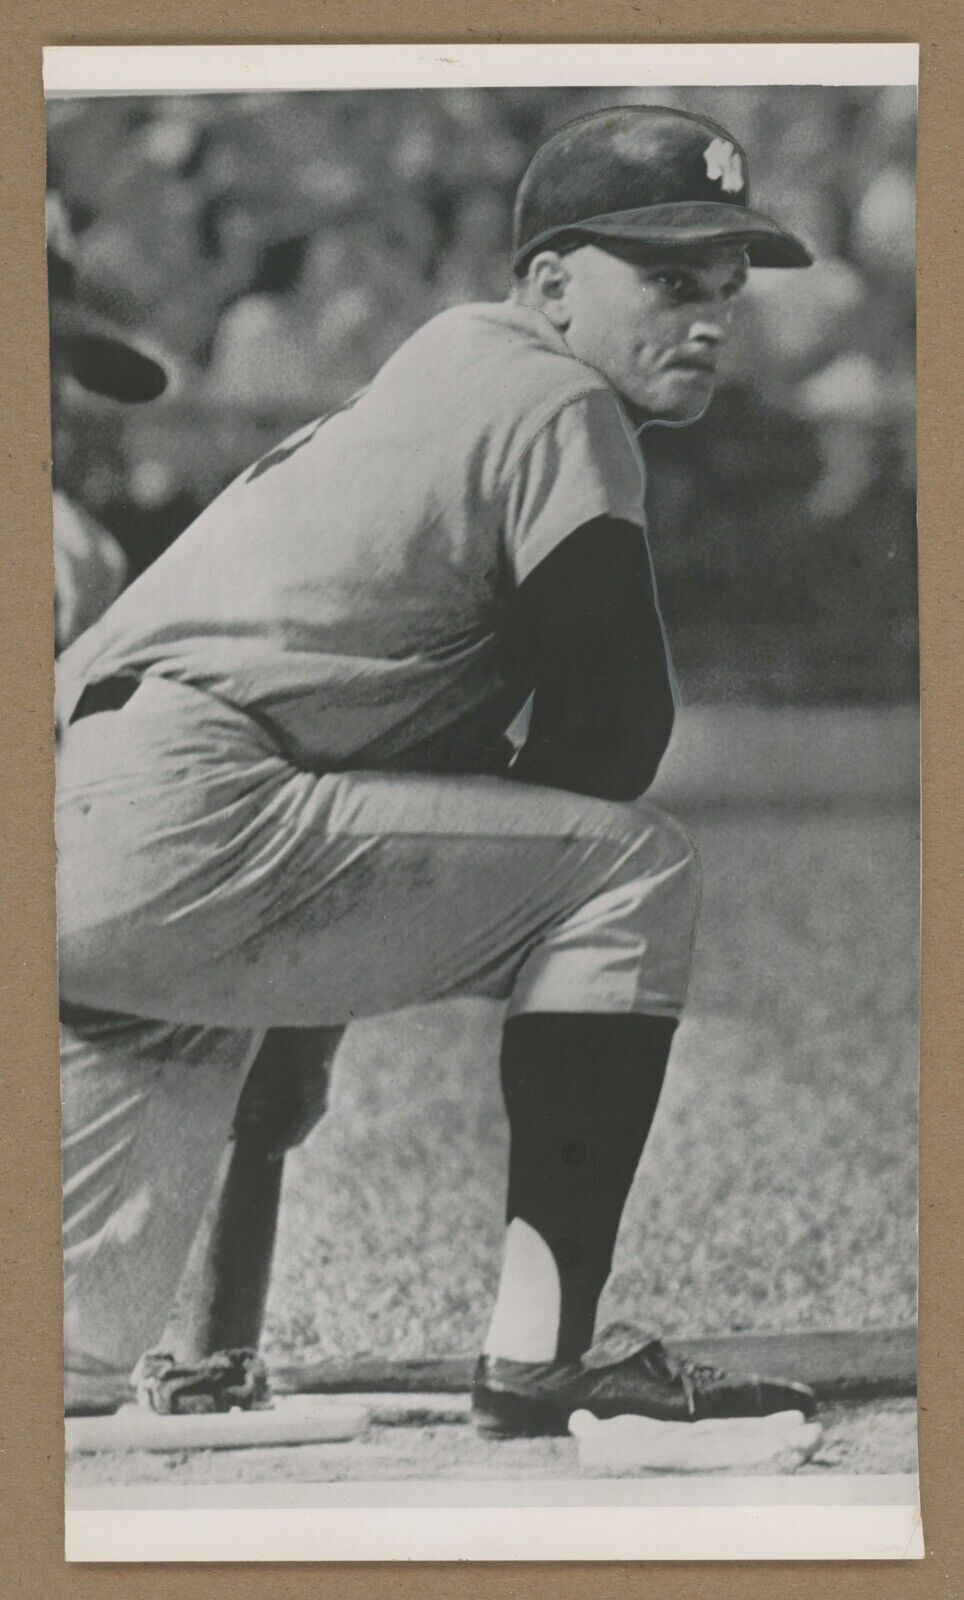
(726, 164)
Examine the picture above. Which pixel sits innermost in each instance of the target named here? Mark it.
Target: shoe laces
(700, 1372)
(624, 1342)
(696, 1376)
(692, 1375)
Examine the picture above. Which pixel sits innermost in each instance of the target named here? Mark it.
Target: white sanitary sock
(525, 1321)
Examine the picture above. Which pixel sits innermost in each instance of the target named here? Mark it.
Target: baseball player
(286, 798)
(88, 349)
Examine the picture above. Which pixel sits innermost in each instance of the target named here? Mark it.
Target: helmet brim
(103, 359)
(678, 226)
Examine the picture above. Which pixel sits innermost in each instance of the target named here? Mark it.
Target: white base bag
(781, 1442)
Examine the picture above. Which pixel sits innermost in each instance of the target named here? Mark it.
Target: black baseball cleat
(626, 1372)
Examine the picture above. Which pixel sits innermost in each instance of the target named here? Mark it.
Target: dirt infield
(856, 1364)
(873, 1438)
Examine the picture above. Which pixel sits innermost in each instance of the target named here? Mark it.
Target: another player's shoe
(626, 1372)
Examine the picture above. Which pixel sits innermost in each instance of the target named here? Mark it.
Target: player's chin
(684, 394)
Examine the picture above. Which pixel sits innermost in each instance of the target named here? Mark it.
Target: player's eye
(730, 290)
(680, 285)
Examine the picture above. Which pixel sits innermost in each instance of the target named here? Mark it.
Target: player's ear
(547, 283)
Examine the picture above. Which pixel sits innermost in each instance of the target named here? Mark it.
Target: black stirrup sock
(580, 1091)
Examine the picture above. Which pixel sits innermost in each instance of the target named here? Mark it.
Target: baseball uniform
(287, 819)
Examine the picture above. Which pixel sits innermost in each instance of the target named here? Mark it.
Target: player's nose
(709, 331)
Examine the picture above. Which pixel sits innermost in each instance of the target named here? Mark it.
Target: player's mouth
(693, 363)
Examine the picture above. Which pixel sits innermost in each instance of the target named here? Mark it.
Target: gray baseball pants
(208, 891)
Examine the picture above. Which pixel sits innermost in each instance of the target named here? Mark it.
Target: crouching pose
(286, 798)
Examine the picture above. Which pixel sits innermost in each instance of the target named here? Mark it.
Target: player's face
(655, 328)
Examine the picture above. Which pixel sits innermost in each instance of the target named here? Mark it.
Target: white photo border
(260, 69)
(776, 1527)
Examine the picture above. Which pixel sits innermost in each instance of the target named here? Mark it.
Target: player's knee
(654, 843)
(656, 875)
(628, 940)
(681, 848)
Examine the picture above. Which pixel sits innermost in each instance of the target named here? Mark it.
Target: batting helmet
(646, 173)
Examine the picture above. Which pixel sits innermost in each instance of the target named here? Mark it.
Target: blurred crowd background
(279, 247)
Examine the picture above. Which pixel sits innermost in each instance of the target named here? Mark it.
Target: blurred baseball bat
(222, 1298)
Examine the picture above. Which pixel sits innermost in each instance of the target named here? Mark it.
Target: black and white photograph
(487, 800)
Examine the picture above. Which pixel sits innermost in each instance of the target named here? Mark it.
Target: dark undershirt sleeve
(590, 642)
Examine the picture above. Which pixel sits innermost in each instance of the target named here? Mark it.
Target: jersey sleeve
(582, 464)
